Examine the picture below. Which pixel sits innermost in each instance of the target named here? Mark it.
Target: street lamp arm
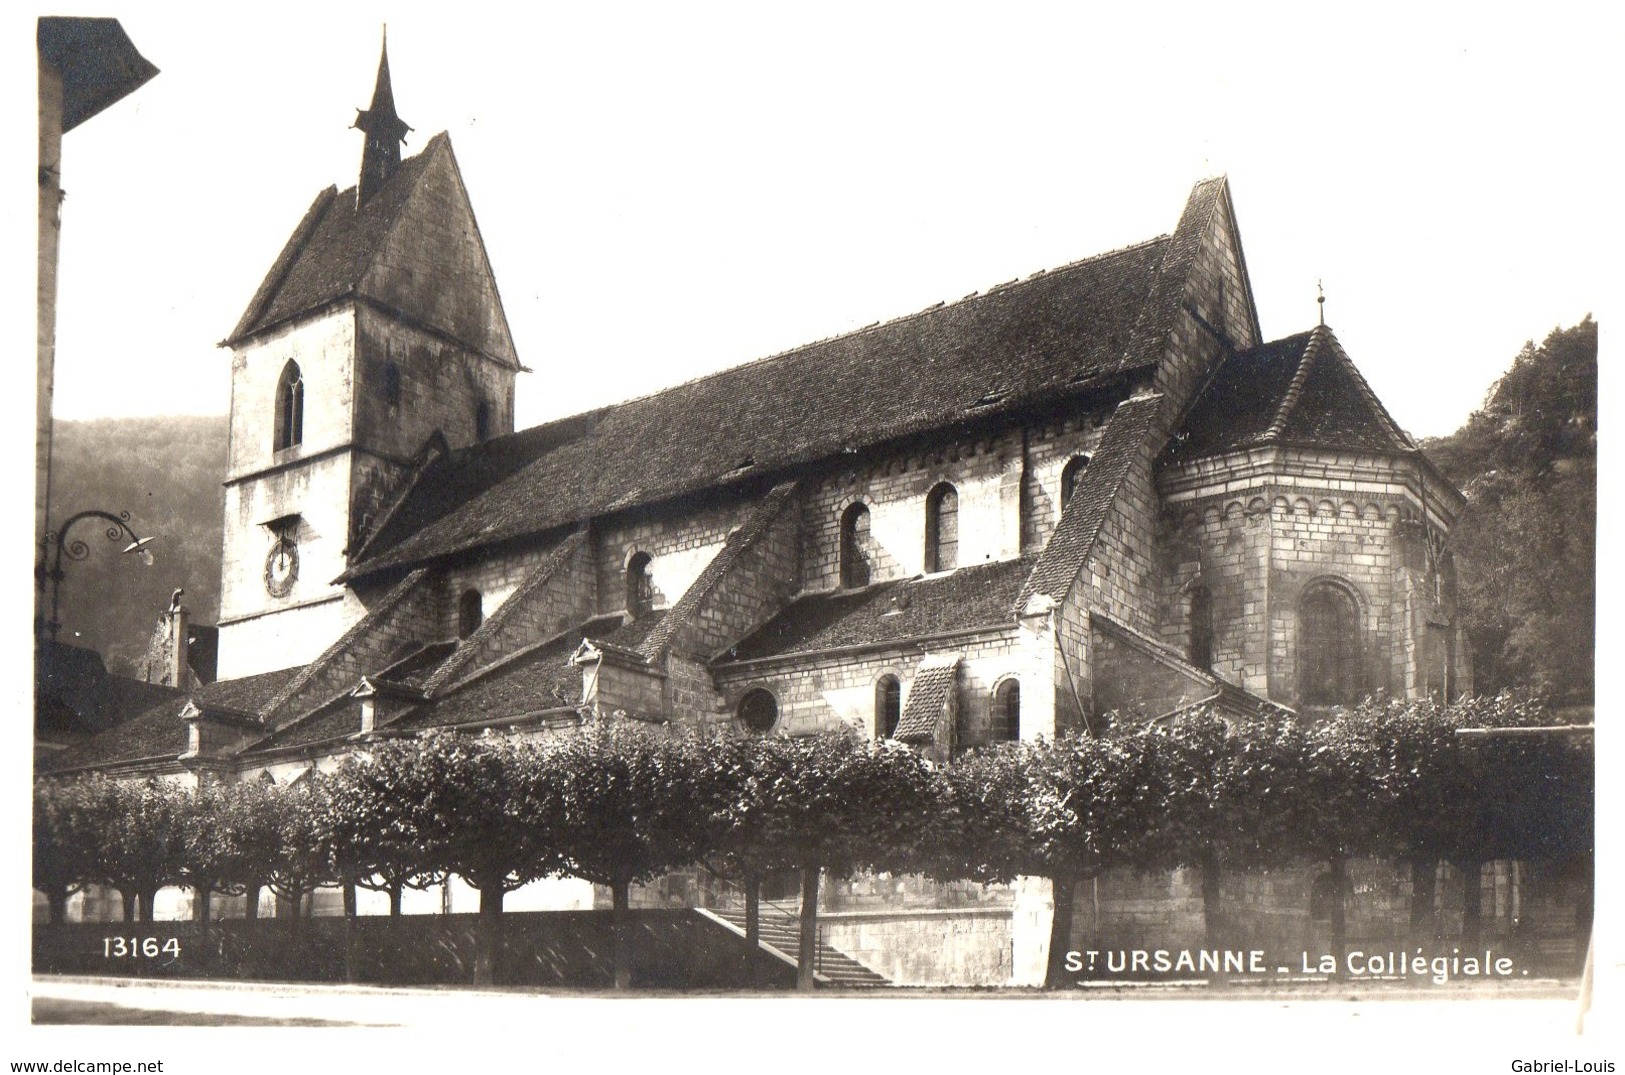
(116, 528)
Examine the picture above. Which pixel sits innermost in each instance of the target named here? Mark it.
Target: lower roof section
(890, 612)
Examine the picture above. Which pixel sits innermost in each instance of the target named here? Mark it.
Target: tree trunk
(809, 927)
(620, 926)
(128, 901)
(143, 903)
(1424, 888)
(1339, 924)
(56, 898)
(251, 902)
(1213, 923)
(1472, 903)
(1060, 931)
(351, 952)
(753, 910)
(201, 914)
(395, 899)
(487, 936)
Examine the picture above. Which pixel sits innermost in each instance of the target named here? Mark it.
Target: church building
(1094, 494)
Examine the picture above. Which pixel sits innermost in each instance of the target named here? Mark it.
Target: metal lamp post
(55, 545)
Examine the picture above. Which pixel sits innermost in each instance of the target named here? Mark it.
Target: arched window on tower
(1201, 640)
(888, 706)
(470, 613)
(482, 421)
(1069, 478)
(1328, 646)
(640, 585)
(290, 407)
(1005, 725)
(854, 546)
(942, 529)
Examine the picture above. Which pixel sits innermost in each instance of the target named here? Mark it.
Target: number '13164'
(139, 947)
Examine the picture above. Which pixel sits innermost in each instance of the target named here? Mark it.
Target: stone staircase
(783, 931)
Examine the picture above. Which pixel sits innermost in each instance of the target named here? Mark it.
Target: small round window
(759, 710)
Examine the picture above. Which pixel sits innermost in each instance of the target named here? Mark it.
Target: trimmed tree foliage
(828, 803)
(627, 804)
(620, 804)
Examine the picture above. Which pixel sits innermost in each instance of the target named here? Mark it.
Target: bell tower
(378, 326)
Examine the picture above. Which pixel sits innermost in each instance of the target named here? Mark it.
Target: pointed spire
(385, 133)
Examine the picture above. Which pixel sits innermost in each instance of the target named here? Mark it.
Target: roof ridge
(1000, 288)
(325, 199)
(1364, 388)
(1294, 390)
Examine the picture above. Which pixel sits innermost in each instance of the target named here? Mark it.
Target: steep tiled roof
(542, 678)
(1036, 341)
(928, 696)
(331, 250)
(1069, 547)
(160, 733)
(334, 721)
(1299, 390)
(887, 612)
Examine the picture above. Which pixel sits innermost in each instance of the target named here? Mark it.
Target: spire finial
(1320, 297)
(384, 129)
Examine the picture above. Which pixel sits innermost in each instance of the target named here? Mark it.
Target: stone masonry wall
(439, 386)
(1050, 447)
(822, 693)
(681, 539)
(1257, 530)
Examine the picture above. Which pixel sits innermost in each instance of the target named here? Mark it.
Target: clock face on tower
(281, 568)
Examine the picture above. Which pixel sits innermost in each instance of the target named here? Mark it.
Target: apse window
(1201, 640)
(759, 710)
(1328, 646)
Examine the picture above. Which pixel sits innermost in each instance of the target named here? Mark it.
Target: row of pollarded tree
(619, 804)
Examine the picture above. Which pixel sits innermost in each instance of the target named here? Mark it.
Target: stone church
(1095, 493)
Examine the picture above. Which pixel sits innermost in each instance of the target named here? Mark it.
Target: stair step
(785, 935)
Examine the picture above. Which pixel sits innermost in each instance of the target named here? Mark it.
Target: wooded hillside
(166, 472)
(1526, 547)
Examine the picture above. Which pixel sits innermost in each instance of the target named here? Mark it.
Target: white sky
(666, 190)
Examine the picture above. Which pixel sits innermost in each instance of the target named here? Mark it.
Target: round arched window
(759, 710)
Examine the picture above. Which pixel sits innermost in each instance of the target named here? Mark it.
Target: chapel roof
(889, 612)
(1051, 337)
(1299, 390)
